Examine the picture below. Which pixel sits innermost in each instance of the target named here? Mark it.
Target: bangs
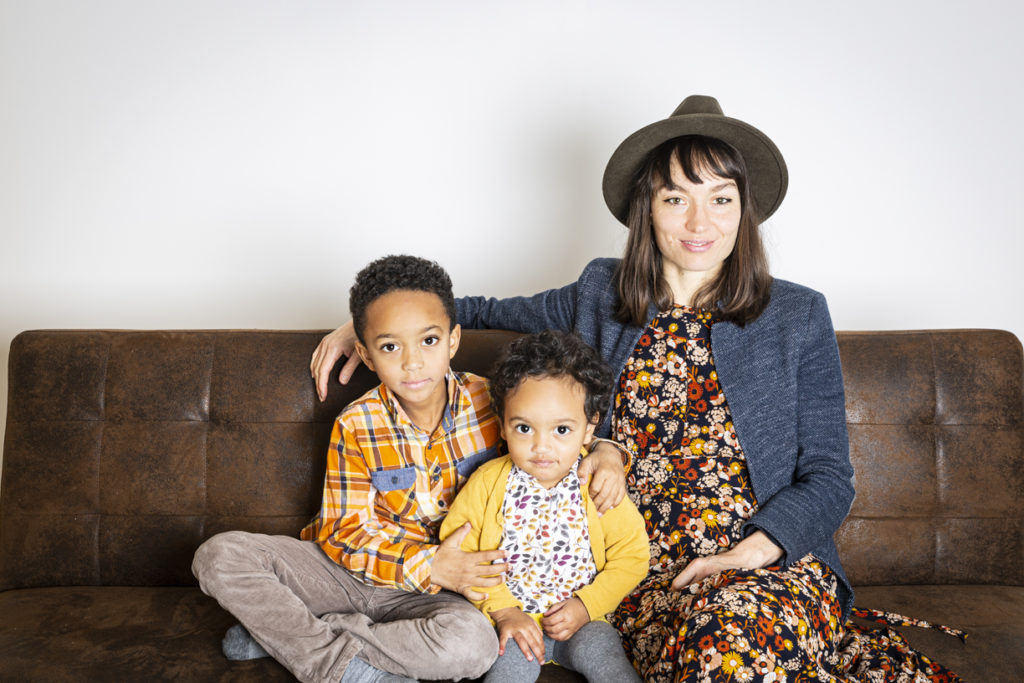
(699, 157)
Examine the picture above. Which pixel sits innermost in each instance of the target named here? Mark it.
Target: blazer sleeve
(470, 506)
(551, 309)
(805, 514)
(627, 559)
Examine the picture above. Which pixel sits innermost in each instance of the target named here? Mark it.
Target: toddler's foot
(239, 645)
(359, 671)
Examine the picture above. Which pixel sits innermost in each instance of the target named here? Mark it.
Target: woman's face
(695, 226)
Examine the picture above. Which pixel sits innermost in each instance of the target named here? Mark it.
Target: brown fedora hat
(699, 115)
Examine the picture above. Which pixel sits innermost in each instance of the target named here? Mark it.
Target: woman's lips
(698, 245)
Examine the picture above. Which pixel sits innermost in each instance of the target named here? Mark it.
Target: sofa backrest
(125, 450)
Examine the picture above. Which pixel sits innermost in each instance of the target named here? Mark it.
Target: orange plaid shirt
(389, 484)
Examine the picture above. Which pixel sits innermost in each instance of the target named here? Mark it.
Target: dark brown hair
(552, 353)
(398, 273)
(741, 290)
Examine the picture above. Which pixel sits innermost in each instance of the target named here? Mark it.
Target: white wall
(205, 164)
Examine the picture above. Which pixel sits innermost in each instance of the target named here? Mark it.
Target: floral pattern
(546, 540)
(690, 482)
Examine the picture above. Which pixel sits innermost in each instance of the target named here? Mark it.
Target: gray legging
(594, 651)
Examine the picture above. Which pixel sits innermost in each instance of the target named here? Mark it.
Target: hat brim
(766, 168)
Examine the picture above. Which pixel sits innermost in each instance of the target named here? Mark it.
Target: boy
(360, 597)
(566, 566)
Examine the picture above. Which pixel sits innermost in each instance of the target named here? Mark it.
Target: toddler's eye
(522, 429)
(562, 430)
(431, 341)
(388, 348)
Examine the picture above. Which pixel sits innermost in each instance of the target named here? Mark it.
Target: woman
(741, 497)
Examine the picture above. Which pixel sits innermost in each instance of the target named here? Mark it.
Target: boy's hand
(340, 342)
(563, 619)
(513, 622)
(603, 468)
(457, 570)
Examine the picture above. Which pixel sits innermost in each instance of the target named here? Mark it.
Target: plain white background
(222, 164)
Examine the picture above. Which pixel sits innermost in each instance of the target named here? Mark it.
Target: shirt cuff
(627, 457)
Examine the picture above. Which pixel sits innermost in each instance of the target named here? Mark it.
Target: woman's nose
(697, 221)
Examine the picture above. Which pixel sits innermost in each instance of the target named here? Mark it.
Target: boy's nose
(412, 359)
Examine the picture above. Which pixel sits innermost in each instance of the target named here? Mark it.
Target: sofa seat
(991, 616)
(119, 633)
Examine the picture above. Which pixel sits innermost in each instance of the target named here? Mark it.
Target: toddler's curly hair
(552, 353)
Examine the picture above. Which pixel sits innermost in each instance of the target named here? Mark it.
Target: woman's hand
(563, 619)
(341, 342)
(603, 468)
(513, 622)
(753, 552)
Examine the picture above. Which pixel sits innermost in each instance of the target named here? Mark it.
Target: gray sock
(359, 671)
(239, 645)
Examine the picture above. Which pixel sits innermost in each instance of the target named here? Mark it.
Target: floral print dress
(690, 482)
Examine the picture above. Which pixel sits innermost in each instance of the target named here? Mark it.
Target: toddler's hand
(563, 619)
(513, 622)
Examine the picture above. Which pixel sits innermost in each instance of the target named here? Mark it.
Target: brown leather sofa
(125, 450)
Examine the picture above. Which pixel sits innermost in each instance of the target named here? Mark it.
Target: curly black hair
(552, 353)
(396, 273)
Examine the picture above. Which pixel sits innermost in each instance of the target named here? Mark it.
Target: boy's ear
(453, 340)
(364, 354)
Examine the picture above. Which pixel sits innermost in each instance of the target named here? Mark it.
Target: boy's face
(409, 344)
(545, 427)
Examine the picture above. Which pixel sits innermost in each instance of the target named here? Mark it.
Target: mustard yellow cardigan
(618, 540)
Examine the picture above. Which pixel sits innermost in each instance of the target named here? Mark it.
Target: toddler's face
(545, 427)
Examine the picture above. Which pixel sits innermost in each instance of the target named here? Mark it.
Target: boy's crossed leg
(314, 617)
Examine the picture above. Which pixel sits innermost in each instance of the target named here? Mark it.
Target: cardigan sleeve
(626, 558)
(804, 514)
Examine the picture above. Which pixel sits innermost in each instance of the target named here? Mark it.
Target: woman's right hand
(341, 342)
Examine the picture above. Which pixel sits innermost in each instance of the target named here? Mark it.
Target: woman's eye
(431, 341)
(723, 200)
(674, 200)
(388, 348)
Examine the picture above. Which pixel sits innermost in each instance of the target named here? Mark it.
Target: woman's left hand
(603, 468)
(753, 552)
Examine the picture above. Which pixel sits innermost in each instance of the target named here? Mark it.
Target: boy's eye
(431, 341)
(522, 429)
(388, 347)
